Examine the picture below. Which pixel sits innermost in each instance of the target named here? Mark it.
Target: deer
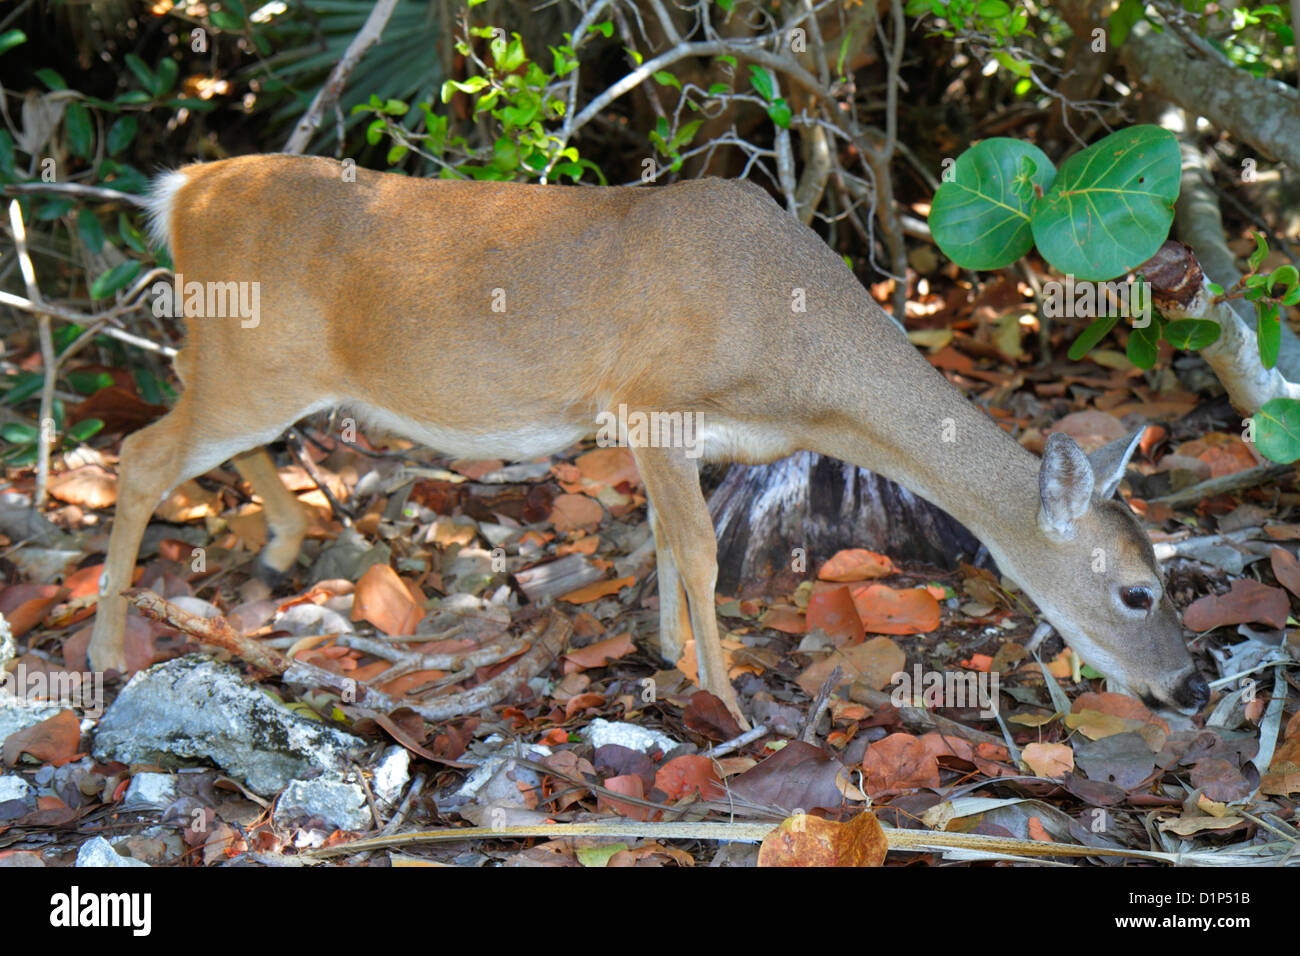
(501, 320)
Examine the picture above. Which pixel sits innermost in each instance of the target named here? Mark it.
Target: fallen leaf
(856, 564)
(382, 598)
(572, 512)
(805, 840)
(51, 741)
(885, 610)
(1248, 601)
(597, 590)
(599, 654)
(834, 612)
(1286, 569)
(1048, 760)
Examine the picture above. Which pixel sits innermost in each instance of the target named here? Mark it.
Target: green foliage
(1106, 211)
(982, 213)
(23, 439)
(516, 92)
(1277, 430)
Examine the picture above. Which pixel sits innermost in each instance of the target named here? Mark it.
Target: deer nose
(1192, 692)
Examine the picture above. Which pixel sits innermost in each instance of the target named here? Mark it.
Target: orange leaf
(571, 512)
(682, 776)
(856, 564)
(53, 740)
(805, 840)
(597, 590)
(382, 598)
(598, 654)
(886, 611)
(833, 611)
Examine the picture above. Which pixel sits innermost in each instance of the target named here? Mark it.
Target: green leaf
(88, 383)
(25, 385)
(20, 433)
(90, 231)
(81, 131)
(667, 79)
(1091, 336)
(762, 81)
(1261, 250)
(1111, 205)
(1268, 329)
(779, 111)
(992, 9)
(10, 39)
(165, 78)
(472, 85)
(981, 217)
(684, 135)
(115, 278)
(121, 133)
(226, 20)
(605, 29)
(375, 131)
(1286, 276)
(1277, 430)
(141, 71)
(1123, 18)
(1144, 345)
(51, 79)
(84, 429)
(1011, 64)
(1192, 334)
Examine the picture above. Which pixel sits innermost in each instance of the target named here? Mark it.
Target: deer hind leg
(674, 612)
(191, 439)
(286, 521)
(683, 528)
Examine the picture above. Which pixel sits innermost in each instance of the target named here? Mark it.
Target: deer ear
(1065, 484)
(1109, 462)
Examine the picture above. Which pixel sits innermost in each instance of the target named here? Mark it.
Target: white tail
(501, 320)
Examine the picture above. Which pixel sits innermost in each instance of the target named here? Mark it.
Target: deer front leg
(682, 523)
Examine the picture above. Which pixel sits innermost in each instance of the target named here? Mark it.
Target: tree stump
(762, 513)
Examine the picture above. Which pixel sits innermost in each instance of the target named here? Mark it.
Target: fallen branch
(547, 639)
(1248, 478)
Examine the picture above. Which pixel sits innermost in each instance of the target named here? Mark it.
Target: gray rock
(99, 852)
(196, 708)
(150, 791)
(339, 805)
(13, 787)
(392, 774)
(600, 732)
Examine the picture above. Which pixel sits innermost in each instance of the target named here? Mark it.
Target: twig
(45, 436)
(328, 94)
(1236, 481)
(75, 190)
(820, 703)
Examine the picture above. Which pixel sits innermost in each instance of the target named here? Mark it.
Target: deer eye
(1139, 599)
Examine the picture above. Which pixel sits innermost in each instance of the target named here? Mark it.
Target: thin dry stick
(328, 94)
(45, 433)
